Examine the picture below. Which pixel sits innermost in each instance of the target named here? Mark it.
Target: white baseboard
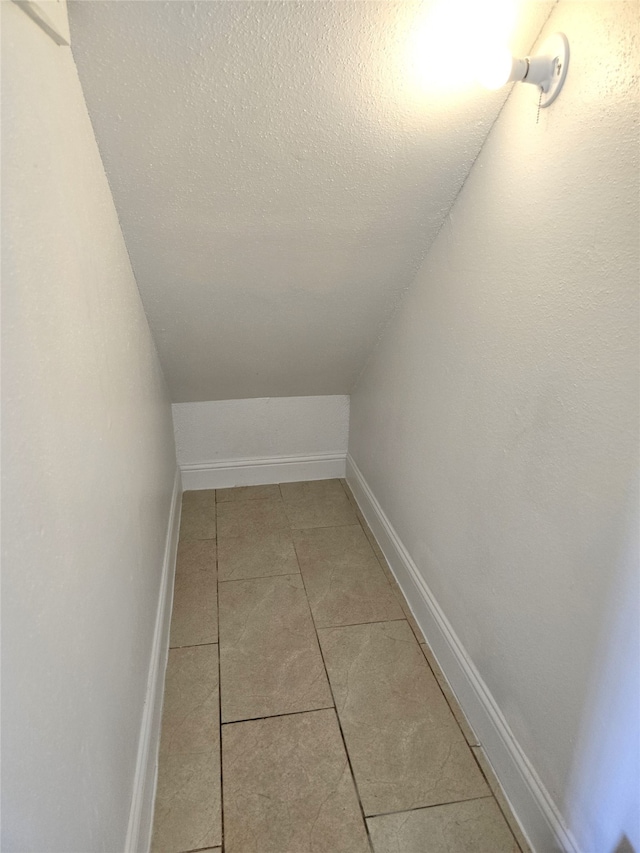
(144, 787)
(538, 815)
(258, 472)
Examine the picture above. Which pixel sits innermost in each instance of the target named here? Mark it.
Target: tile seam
(455, 711)
(222, 839)
(344, 742)
(432, 806)
(276, 716)
(258, 577)
(508, 818)
(357, 624)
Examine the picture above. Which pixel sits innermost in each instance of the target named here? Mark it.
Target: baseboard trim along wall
(144, 786)
(538, 815)
(227, 473)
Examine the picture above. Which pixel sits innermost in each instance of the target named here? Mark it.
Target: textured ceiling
(278, 177)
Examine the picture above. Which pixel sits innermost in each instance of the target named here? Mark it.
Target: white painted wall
(88, 468)
(243, 442)
(497, 421)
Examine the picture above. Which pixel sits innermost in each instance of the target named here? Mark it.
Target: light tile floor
(303, 710)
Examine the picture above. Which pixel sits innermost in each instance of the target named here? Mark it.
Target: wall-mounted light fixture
(547, 69)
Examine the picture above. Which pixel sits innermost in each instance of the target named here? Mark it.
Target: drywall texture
(88, 468)
(277, 176)
(497, 421)
(260, 428)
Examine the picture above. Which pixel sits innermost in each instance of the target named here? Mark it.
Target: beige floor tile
(349, 493)
(377, 550)
(190, 707)
(288, 788)
(198, 519)
(472, 827)
(408, 615)
(367, 530)
(257, 556)
(196, 555)
(242, 518)
(343, 543)
(499, 794)
(317, 503)
(344, 581)
(383, 562)
(405, 746)
(248, 493)
(363, 521)
(450, 696)
(187, 813)
(318, 510)
(269, 656)
(293, 492)
(194, 618)
(199, 497)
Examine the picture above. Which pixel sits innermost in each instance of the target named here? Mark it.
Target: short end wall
(228, 443)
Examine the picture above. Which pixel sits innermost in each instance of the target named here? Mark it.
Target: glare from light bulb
(451, 38)
(494, 68)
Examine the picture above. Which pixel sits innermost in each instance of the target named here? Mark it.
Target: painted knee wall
(88, 469)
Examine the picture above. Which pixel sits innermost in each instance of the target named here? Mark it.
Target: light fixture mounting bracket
(555, 51)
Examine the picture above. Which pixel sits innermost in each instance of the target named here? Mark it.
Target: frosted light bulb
(496, 67)
(547, 69)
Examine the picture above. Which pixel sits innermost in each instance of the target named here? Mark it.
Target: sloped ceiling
(278, 175)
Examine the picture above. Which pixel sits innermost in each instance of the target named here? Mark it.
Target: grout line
(259, 577)
(357, 624)
(343, 488)
(200, 849)
(247, 500)
(433, 806)
(251, 500)
(324, 526)
(508, 818)
(198, 539)
(288, 529)
(274, 716)
(222, 845)
(344, 742)
(193, 646)
(454, 711)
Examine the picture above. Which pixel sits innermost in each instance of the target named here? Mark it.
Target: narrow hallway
(294, 656)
